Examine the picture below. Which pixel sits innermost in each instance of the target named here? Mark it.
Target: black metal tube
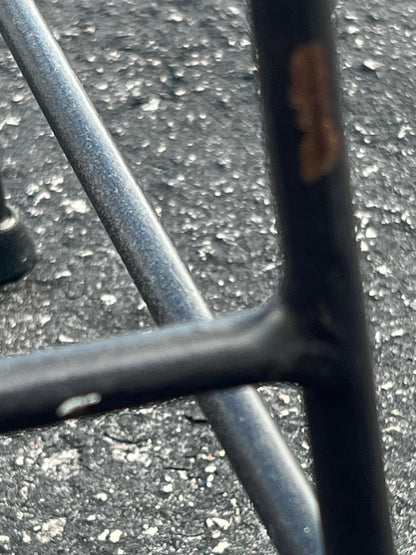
(154, 265)
(310, 179)
(256, 346)
(139, 368)
(17, 250)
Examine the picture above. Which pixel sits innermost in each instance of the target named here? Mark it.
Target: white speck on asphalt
(64, 461)
(221, 523)
(221, 547)
(370, 233)
(115, 536)
(103, 536)
(51, 529)
(210, 468)
(65, 338)
(167, 488)
(152, 531)
(78, 206)
(176, 17)
(152, 105)
(108, 299)
(372, 64)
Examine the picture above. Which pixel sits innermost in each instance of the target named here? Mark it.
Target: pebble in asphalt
(175, 84)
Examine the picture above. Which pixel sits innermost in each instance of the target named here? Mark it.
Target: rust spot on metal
(311, 97)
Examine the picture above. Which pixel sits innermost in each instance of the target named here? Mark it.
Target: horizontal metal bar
(139, 368)
(158, 272)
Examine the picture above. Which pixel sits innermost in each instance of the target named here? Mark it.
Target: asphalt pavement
(176, 85)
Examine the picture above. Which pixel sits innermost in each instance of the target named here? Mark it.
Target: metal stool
(311, 333)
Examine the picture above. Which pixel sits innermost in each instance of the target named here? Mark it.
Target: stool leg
(17, 250)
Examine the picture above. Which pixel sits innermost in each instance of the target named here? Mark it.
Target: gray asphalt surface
(175, 84)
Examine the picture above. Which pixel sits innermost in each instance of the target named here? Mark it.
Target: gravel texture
(175, 84)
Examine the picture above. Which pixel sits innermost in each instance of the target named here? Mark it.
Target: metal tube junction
(47, 386)
(156, 269)
(322, 286)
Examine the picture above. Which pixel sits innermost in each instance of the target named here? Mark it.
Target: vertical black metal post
(322, 286)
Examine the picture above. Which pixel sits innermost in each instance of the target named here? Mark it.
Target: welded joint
(294, 351)
(265, 345)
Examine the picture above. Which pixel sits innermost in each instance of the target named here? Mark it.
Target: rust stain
(310, 96)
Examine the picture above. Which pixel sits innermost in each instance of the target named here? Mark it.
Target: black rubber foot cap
(17, 250)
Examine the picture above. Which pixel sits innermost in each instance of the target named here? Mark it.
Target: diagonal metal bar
(139, 368)
(265, 466)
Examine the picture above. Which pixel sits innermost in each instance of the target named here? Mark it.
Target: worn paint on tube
(312, 98)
